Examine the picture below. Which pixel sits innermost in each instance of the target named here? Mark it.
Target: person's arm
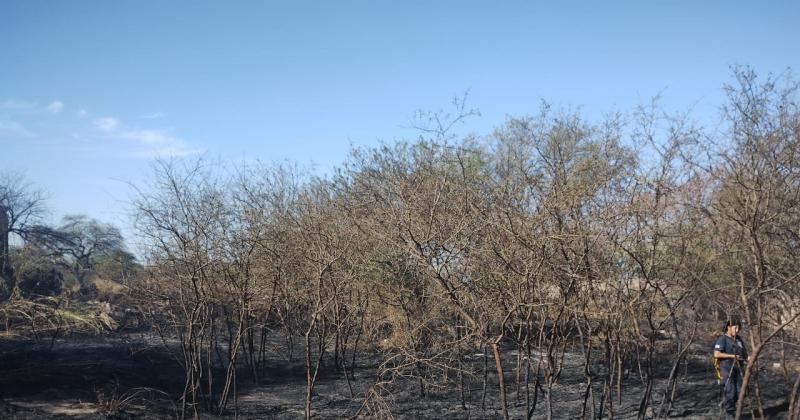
(720, 355)
(721, 348)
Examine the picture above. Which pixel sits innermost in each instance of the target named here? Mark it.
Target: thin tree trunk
(528, 381)
(5, 267)
(309, 377)
(794, 401)
(498, 361)
(758, 397)
(518, 386)
(485, 377)
(461, 385)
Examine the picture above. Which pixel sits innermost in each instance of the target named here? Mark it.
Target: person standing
(729, 350)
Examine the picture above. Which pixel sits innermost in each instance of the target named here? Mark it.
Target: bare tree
(618, 241)
(83, 240)
(21, 210)
(756, 205)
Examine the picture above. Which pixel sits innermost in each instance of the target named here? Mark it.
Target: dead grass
(108, 287)
(47, 317)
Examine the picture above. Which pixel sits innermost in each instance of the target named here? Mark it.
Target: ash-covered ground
(138, 376)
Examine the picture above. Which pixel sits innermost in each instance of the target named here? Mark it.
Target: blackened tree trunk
(5, 266)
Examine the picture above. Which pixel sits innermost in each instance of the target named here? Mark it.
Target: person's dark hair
(731, 322)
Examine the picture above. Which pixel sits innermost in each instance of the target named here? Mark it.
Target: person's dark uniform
(731, 368)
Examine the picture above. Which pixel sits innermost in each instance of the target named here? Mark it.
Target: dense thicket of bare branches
(620, 240)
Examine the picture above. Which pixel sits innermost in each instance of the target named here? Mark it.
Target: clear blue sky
(91, 91)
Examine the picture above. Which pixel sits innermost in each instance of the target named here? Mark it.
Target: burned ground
(137, 376)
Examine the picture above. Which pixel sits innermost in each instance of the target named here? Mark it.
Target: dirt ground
(135, 376)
